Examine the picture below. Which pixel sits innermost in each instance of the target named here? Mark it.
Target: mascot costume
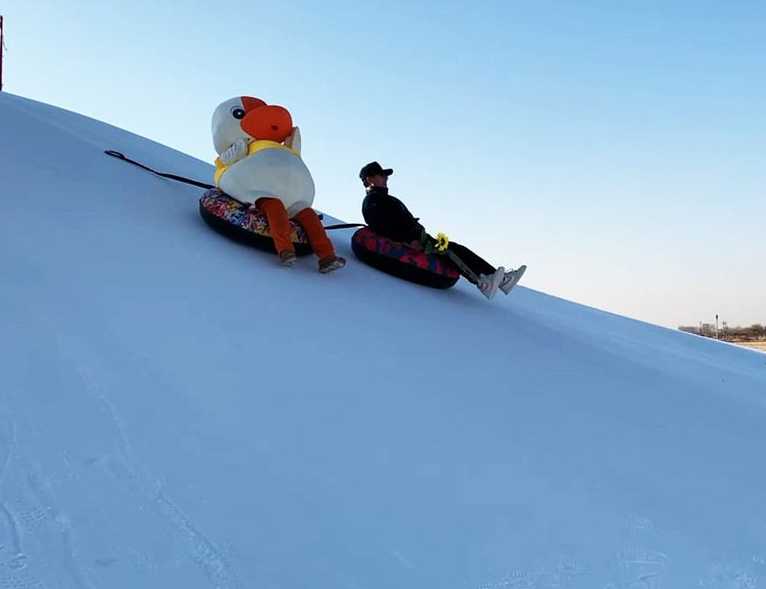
(259, 163)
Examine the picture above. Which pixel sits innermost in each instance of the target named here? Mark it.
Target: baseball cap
(373, 169)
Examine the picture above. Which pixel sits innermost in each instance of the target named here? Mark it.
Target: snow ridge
(177, 410)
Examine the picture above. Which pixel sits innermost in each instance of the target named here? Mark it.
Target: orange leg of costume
(320, 243)
(279, 223)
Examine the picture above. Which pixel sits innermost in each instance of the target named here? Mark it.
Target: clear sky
(616, 148)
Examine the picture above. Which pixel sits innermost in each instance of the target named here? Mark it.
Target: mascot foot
(331, 263)
(287, 258)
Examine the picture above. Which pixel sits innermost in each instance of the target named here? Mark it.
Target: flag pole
(1, 52)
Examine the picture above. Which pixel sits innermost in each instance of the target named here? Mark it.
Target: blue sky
(617, 148)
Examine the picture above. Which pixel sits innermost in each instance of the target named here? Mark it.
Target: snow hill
(176, 410)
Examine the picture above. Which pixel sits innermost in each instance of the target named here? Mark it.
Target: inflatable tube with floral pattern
(400, 260)
(235, 220)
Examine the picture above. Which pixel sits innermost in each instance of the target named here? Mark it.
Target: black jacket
(387, 216)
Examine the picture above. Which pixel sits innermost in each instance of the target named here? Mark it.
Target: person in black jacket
(387, 216)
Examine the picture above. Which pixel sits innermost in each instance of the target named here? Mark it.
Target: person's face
(378, 180)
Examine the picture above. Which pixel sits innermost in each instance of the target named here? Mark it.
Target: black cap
(373, 169)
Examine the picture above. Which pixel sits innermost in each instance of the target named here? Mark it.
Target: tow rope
(185, 180)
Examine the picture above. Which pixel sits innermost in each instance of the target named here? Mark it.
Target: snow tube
(232, 218)
(400, 260)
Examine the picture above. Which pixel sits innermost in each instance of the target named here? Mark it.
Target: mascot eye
(238, 112)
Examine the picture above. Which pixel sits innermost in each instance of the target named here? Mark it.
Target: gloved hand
(293, 140)
(236, 152)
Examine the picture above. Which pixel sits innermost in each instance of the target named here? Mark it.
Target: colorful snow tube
(400, 260)
(236, 221)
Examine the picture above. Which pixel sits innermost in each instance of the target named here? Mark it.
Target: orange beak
(264, 121)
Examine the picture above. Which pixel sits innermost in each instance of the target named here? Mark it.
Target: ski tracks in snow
(87, 511)
(635, 567)
(12, 556)
(127, 469)
(14, 572)
(13, 528)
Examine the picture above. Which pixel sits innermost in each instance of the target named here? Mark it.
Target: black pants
(477, 264)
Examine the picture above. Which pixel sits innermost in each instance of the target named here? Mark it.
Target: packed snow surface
(177, 410)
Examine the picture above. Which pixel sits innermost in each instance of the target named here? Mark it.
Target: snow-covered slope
(177, 410)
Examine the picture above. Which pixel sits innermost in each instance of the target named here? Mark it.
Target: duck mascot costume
(259, 163)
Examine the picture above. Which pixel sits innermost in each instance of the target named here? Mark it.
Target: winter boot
(488, 284)
(330, 263)
(287, 258)
(511, 278)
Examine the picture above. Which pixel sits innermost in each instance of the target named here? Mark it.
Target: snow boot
(287, 258)
(330, 263)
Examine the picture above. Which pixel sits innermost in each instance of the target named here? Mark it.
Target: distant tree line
(755, 332)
